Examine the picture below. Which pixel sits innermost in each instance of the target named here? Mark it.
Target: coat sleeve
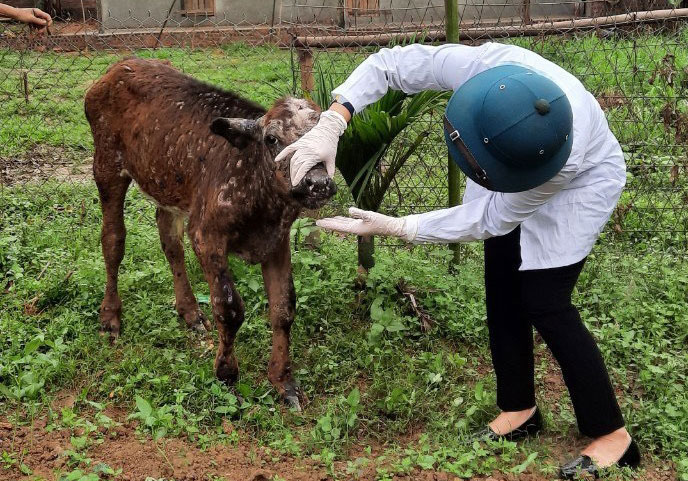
(497, 213)
(411, 69)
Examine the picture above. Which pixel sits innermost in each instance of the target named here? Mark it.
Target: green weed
(369, 367)
(374, 372)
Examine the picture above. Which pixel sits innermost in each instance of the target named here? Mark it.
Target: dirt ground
(43, 163)
(47, 454)
(171, 458)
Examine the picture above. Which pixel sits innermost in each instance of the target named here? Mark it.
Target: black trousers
(517, 301)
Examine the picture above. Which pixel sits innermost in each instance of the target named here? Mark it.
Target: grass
(644, 74)
(58, 82)
(371, 374)
(647, 67)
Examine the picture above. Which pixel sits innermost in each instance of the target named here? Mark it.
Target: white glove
(365, 222)
(317, 145)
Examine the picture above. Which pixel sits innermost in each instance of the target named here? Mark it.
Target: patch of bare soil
(58, 27)
(551, 379)
(74, 27)
(46, 454)
(43, 163)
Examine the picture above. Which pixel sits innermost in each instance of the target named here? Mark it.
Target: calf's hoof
(199, 329)
(292, 396)
(110, 323)
(196, 321)
(113, 335)
(293, 402)
(227, 370)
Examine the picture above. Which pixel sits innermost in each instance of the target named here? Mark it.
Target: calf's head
(287, 120)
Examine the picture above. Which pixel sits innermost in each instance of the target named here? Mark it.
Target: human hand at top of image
(34, 17)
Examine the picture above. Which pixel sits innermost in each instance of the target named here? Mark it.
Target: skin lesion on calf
(204, 156)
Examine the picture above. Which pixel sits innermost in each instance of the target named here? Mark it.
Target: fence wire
(629, 53)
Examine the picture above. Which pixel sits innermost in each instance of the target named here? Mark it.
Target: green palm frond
(371, 135)
(382, 131)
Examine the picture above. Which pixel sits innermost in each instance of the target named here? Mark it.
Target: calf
(206, 156)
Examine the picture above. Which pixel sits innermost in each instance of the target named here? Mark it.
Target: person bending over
(544, 175)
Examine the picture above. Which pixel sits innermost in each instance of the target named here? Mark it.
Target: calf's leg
(279, 284)
(171, 229)
(228, 307)
(112, 191)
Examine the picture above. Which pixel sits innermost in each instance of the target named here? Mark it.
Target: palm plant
(370, 138)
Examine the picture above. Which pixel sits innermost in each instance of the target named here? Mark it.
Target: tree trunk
(366, 252)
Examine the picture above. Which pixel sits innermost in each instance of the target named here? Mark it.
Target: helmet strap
(455, 137)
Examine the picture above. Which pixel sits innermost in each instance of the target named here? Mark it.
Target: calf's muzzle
(315, 189)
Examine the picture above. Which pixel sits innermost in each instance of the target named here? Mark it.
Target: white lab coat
(561, 219)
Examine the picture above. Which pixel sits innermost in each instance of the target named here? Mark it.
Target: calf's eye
(271, 140)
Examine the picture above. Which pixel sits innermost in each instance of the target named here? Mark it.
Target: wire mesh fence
(629, 53)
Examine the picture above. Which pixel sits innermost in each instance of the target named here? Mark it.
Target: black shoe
(583, 465)
(529, 428)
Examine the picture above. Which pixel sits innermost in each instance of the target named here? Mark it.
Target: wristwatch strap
(347, 105)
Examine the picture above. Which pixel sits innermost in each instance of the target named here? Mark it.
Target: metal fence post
(451, 24)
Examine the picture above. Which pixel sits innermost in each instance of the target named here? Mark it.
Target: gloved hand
(317, 145)
(365, 222)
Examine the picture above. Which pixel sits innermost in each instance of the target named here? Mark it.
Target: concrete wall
(152, 13)
(69, 6)
(477, 10)
(325, 12)
(129, 14)
(404, 12)
(22, 3)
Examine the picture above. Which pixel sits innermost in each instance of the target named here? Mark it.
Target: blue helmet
(509, 128)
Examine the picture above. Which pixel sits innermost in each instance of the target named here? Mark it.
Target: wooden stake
(164, 24)
(83, 18)
(25, 85)
(525, 12)
(306, 69)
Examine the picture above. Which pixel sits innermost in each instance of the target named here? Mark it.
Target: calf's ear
(238, 132)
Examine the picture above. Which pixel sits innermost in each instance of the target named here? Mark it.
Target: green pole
(451, 9)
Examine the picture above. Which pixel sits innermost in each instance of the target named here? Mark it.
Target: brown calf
(205, 155)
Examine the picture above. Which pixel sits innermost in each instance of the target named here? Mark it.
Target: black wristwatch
(346, 105)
